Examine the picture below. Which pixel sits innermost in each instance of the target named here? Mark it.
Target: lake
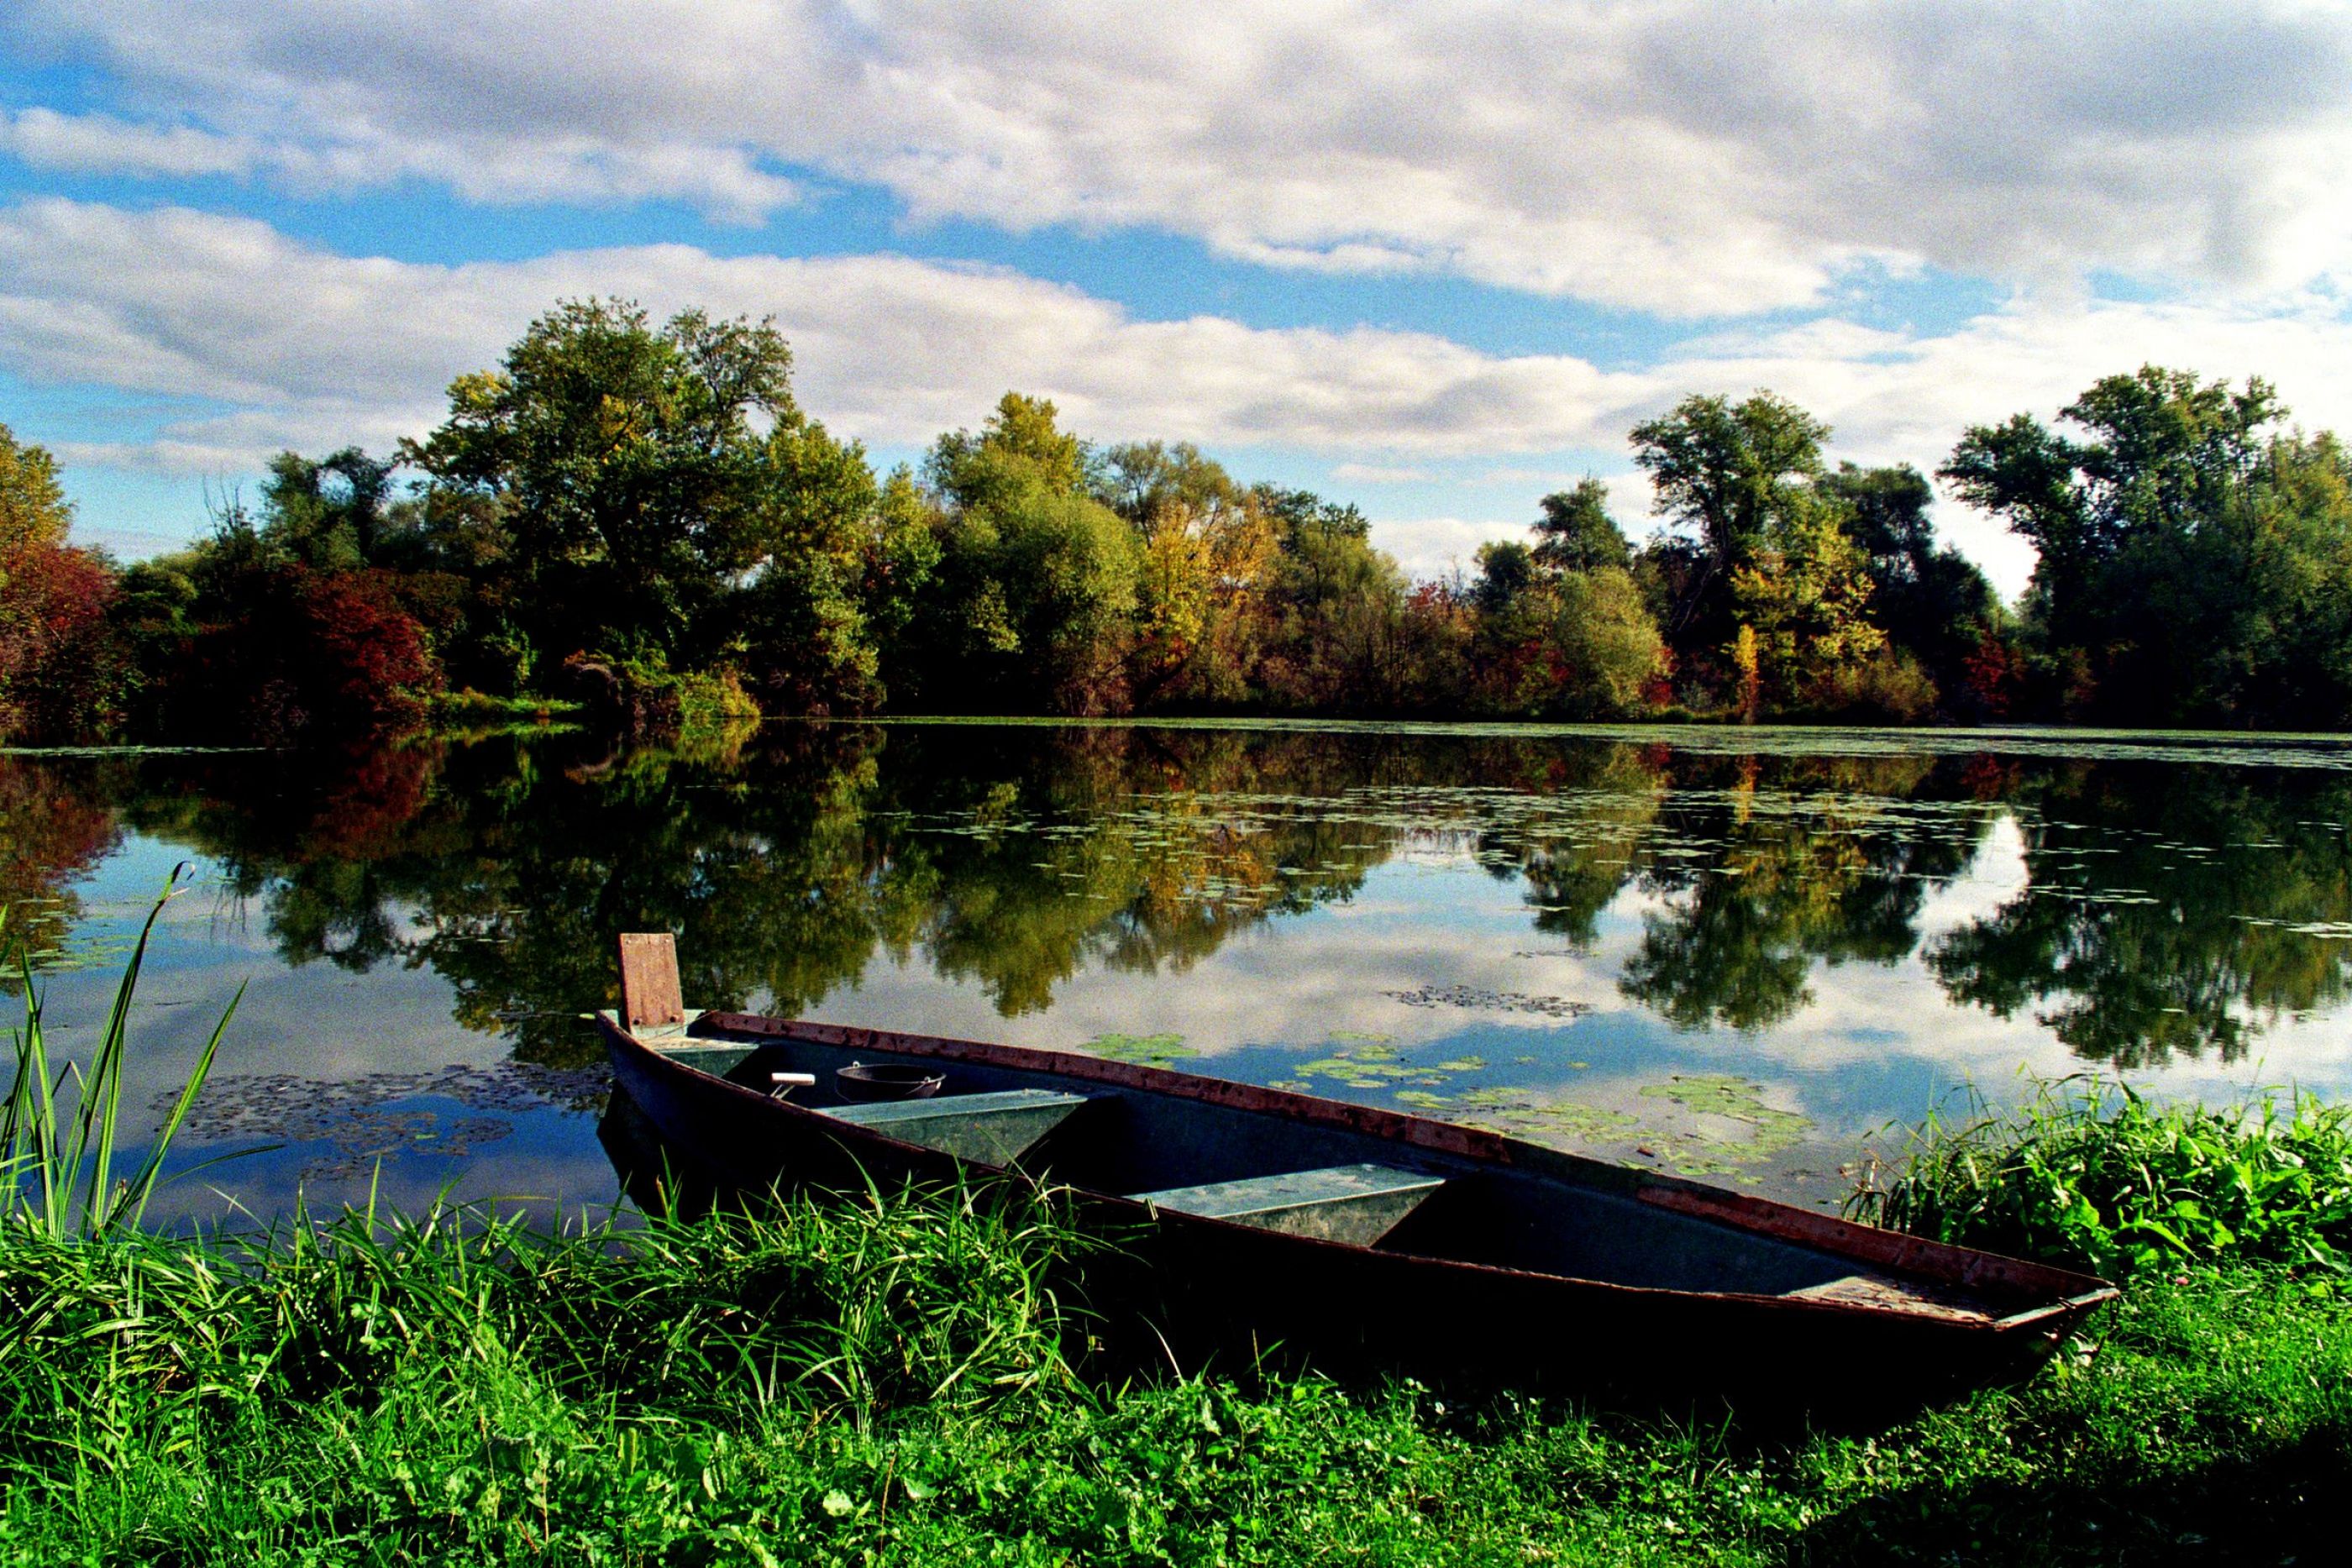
(1732, 953)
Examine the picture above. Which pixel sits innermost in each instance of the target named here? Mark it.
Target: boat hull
(1199, 1288)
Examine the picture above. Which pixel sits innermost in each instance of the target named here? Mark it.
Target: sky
(1433, 258)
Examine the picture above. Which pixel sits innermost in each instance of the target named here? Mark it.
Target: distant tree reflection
(1788, 866)
(52, 829)
(2172, 911)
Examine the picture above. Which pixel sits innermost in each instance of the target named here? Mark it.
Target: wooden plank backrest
(650, 997)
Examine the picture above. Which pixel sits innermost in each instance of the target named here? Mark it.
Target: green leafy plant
(2091, 1173)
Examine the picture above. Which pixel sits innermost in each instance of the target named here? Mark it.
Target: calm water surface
(1734, 953)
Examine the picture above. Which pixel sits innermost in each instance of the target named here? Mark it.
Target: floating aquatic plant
(1148, 1049)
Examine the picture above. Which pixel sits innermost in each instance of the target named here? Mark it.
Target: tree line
(641, 518)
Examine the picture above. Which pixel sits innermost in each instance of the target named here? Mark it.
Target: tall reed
(57, 1165)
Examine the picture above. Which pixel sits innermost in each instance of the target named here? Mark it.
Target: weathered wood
(650, 995)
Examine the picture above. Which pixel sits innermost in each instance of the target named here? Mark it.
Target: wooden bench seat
(993, 1129)
(1355, 1204)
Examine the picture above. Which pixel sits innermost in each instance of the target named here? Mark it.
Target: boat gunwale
(1739, 1211)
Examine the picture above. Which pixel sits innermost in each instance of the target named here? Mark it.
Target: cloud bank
(273, 343)
(1686, 157)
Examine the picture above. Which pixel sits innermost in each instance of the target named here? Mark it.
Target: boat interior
(1573, 1217)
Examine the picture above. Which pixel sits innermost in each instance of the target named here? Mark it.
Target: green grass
(58, 1127)
(469, 715)
(471, 703)
(885, 1382)
(907, 1379)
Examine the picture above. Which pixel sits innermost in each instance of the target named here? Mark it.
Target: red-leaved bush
(60, 673)
(309, 655)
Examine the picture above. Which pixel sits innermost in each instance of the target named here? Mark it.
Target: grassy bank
(905, 1380)
(885, 1382)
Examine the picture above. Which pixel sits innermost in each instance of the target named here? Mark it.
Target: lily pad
(1145, 1050)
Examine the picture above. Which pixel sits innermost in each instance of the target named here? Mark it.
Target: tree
(1338, 609)
(330, 514)
(1208, 551)
(1608, 645)
(2185, 550)
(1933, 600)
(1020, 445)
(62, 673)
(1576, 532)
(1038, 578)
(34, 511)
(1734, 473)
(629, 478)
(1808, 600)
(901, 571)
(1552, 642)
(304, 656)
(802, 622)
(1507, 571)
(1732, 477)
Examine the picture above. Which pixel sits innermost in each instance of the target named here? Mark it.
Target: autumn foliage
(61, 673)
(309, 655)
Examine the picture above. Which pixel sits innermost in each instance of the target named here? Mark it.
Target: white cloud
(1693, 157)
(303, 341)
(290, 345)
(1546, 479)
(1380, 473)
(102, 144)
(1433, 546)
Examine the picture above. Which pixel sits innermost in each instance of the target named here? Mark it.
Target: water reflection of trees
(51, 830)
(1761, 867)
(2172, 911)
(1014, 859)
(1008, 863)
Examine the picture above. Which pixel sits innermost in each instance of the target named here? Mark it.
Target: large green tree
(1733, 473)
(1037, 577)
(2193, 555)
(626, 467)
(803, 622)
(1732, 477)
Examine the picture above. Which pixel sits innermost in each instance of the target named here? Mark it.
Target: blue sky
(1432, 258)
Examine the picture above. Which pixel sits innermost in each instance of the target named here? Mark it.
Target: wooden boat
(1348, 1234)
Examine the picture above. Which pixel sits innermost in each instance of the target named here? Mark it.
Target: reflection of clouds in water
(554, 1178)
(327, 1027)
(1994, 876)
(356, 1121)
(1293, 982)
